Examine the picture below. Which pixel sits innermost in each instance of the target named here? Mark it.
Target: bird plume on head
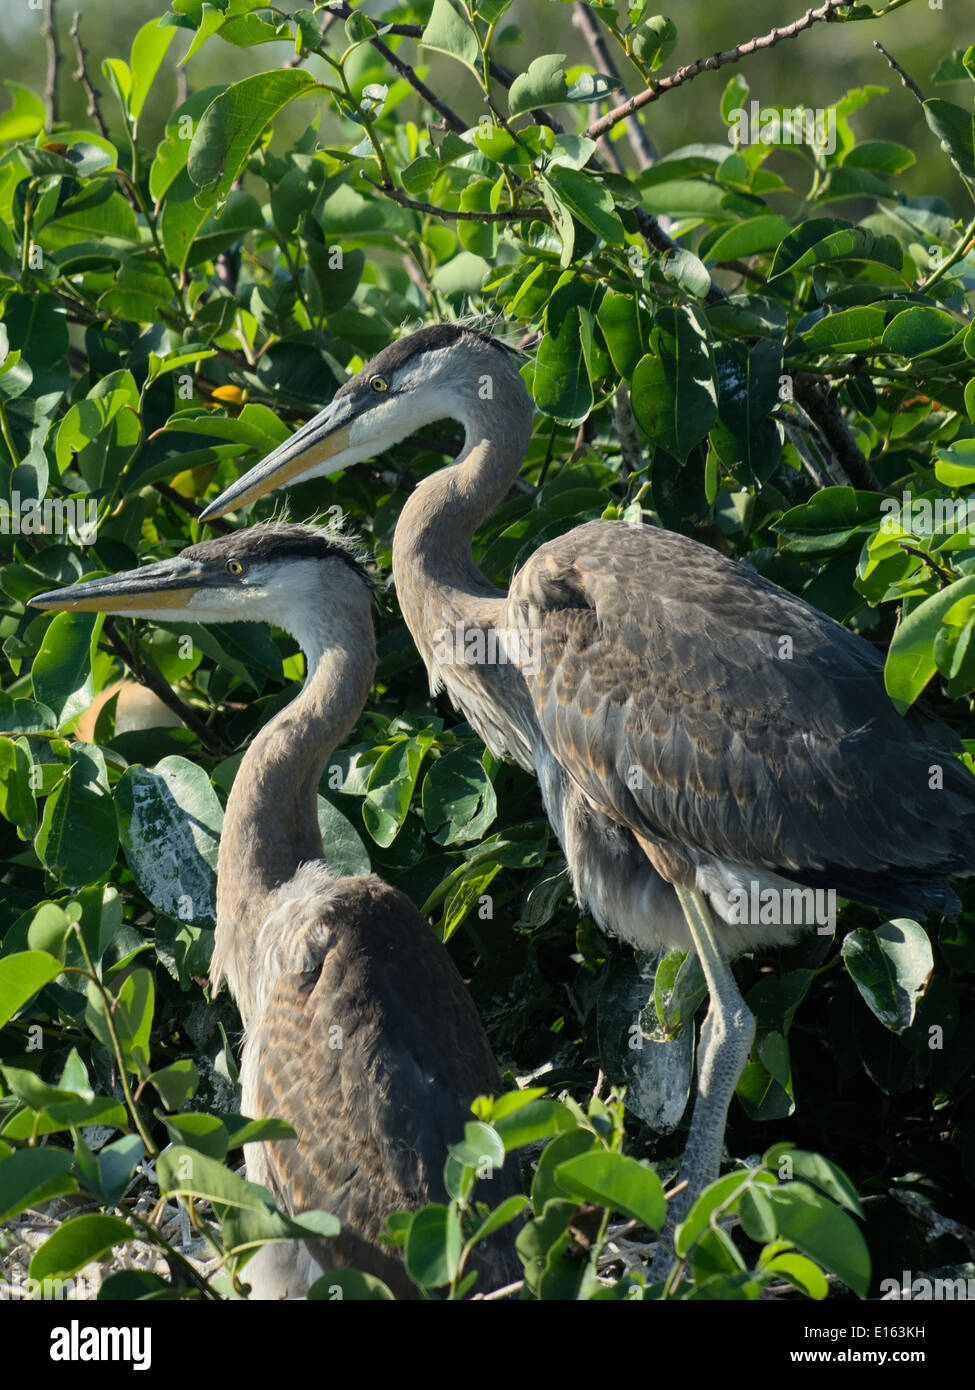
(325, 527)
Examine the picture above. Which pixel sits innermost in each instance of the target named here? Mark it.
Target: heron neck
(434, 572)
(271, 822)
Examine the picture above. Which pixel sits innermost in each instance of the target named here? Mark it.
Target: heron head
(256, 575)
(446, 371)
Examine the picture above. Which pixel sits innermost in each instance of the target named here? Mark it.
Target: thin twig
(905, 77)
(937, 1224)
(944, 575)
(505, 215)
(824, 411)
(717, 60)
(584, 21)
(53, 63)
(298, 58)
(418, 85)
(154, 682)
(185, 505)
(81, 75)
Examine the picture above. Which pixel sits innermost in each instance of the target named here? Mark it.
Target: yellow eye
(379, 383)
(234, 567)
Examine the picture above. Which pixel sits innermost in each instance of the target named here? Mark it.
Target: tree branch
(418, 85)
(717, 60)
(505, 215)
(826, 414)
(905, 77)
(53, 63)
(583, 20)
(80, 74)
(184, 505)
(210, 739)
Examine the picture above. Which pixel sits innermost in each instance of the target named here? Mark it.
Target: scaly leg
(726, 1038)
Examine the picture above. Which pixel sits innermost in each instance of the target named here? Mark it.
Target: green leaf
(176, 1083)
(919, 329)
(481, 1144)
(823, 1232)
(78, 837)
(232, 123)
(800, 1272)
(723, 1195)
(733, 98)
(61, 673)
(185, 1172)
(355, 1287)
(954, 128)
(448, 30)
(433, 1247)
(616, 1182)
(76, 1242)
(134, 1008)
(807, 247)
(17, 804)
(674, 390)
(891, 968)
(345, 850)
(832, 519)
(544, 84)
(749, 237)
(31, 1176)
(459, 803)
(507, 1212)
(562, 388)
(849, 330)
(623, 328)
(112, 400)
(148, 50)
(539, 1119)
(205, 1134)
(955, 466)
(390, 788)
(654, 41)
(21, 976)
(910, 660)
(884, 156)
(814, 1168)
(169, 825)
(765, 1085)
(25, 117)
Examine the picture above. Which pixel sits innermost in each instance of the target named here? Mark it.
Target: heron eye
(234, 567)
(379, 383)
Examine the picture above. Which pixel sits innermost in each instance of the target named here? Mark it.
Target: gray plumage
(696, 730)
(358, 1029)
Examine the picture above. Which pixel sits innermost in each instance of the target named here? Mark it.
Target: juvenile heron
(702, 738)
(358, 1030)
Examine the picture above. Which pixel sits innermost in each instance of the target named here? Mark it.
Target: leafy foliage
(786, 374)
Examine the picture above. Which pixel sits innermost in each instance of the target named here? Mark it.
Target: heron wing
(711, 711)
(367, 1043)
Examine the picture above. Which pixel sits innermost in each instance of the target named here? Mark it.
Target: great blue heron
(358, 1030)
(702, 738)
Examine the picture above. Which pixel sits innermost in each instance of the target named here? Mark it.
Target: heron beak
(322, 438)
(149, 589)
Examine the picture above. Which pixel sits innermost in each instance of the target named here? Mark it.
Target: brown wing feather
(368, 1044)
(702, 706)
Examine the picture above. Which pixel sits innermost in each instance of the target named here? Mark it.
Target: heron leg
(726, 1038)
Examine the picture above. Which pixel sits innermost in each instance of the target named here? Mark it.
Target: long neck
(271, 823)
(436, 579)
(445, 598)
